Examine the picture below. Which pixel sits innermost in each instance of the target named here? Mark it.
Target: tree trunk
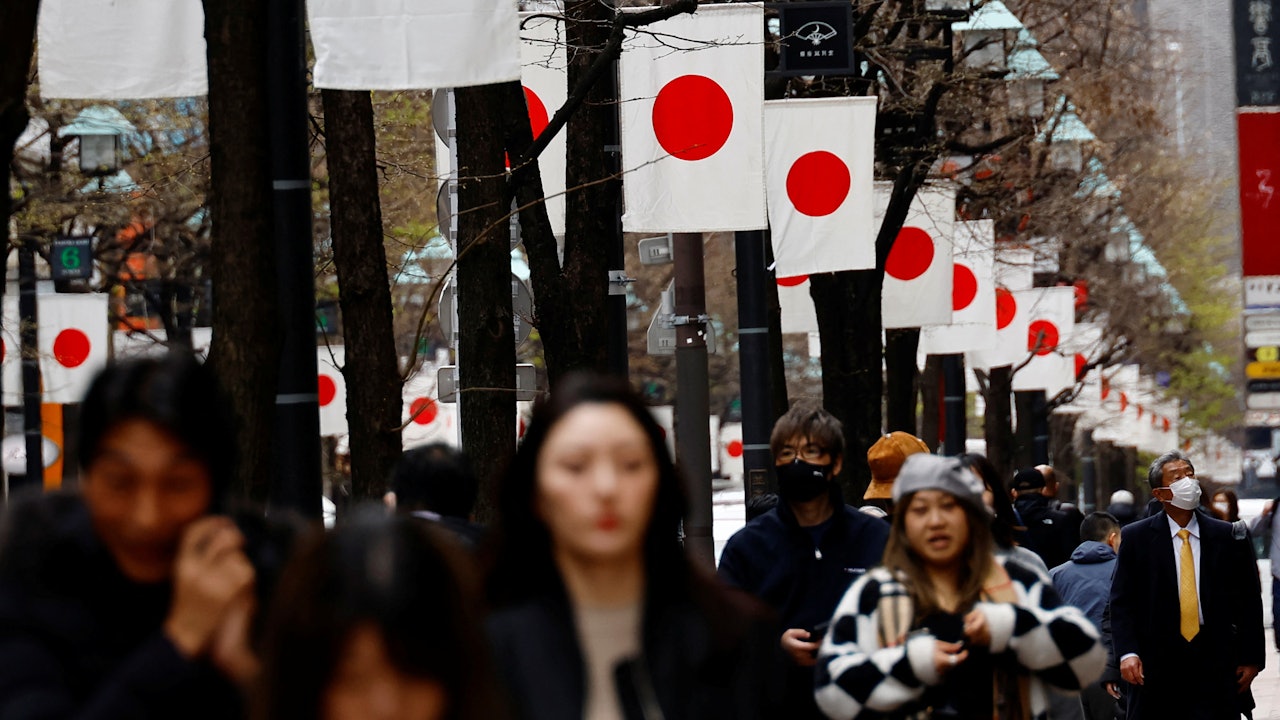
(932, 409)
(17, 40)
(997, 421)
(360, 260)
(901, 375)
(486, 339)
(245, 350)
(848, 311)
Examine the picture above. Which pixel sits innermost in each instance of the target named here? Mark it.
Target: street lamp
(1065, 138)
(985, 34)
(1029, 73)
(99, 129)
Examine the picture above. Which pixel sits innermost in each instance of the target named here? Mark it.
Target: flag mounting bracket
(618, 282)
(677, 320)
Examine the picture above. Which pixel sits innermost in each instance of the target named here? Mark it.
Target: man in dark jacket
(1050, 532)
(800, 557)
(1085, 581)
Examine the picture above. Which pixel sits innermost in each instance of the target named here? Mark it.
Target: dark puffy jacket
(1053, 534)
(775, 559)
(80, 640)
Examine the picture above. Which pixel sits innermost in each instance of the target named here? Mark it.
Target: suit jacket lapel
(1164, 573)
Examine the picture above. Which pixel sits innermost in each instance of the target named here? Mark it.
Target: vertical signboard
(1259, 137)
(1257, 45)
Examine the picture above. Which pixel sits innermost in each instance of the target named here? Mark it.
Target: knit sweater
(859, 676)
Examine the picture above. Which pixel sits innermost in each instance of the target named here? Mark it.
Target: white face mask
(1222, 507)
(1186, 493)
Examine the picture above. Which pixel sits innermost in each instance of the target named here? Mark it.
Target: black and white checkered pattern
(858, 677)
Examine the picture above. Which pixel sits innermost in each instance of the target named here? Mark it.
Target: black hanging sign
(815, 38)
(1257, 32)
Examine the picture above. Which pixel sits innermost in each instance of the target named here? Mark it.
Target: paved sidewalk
(1266, 688)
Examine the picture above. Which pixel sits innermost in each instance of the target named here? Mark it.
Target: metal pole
(28, 341)
(297, 483)
(953, 397)
(753, 360)
(616, 252)
(693, 400)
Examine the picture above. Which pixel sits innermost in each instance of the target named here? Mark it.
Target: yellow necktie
(1187, 598)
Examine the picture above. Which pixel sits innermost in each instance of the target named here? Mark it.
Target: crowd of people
(950, 592)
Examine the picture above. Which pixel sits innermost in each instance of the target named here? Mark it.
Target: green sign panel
(71, 258)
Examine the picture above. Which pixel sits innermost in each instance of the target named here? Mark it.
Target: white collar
(1193, 526)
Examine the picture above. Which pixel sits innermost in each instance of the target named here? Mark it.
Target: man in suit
(1186, 606)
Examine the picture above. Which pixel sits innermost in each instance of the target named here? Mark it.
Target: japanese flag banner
(331, 389)
(10, 351)
(918, 273)
(1084, 345)
(1012, 320)
(1050, 320)
(121, 49)
(692, 90)
(544, 73)
(413, 44)
(1015, 268)
(818, 173)
(425, 418)
(973, 294)
(72, 332)
(798, 314)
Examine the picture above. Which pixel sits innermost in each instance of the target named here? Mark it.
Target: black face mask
(799, 481)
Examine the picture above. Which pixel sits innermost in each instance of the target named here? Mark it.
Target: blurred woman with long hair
(598, 611)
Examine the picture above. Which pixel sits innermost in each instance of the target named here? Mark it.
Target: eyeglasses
(808, 453)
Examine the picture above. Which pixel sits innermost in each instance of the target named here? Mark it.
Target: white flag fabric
(818, 172)
(973, 294)
(72, 334)
(331, 389)
(798, 313)
(121, 49)
(1050, 320)
(413, 44)
(1083, 346)
(11, 351)
(1015, 268)
(545, 76)
(1012, 319)
(692, 91)
(918, 273)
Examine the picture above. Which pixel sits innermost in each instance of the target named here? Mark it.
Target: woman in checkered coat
(945, 629)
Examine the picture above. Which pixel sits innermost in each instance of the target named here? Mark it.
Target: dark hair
(758, 505)
(821, 427)
(394, 574)
(437, 478)
(1233, 503)
(1097, 526)
(521, 565)
(1155, 473)
(176, 393)
(1003, 523)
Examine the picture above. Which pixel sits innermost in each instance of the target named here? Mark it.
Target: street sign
(1262, 401)
(521, 309)
(71, 258)
(815, 38)
(1262, 291)
(1264, 321)
(1263, 386)
(1261, 338)
(447, 383)
(1262, 370)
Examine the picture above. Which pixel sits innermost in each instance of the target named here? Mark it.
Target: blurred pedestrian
(1051, 534)
(758, 505)
(1004, 521)
(1123, 507)
(1226, 505)
(375, 621)
(598, 611)
(435, 483)
(1265, 526)
(1085, 581)
(801, 556)
(945, 627)
(132, 597)
(1186, 606)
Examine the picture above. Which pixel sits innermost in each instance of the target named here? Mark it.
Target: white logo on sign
(1267, 191)
(816, 32)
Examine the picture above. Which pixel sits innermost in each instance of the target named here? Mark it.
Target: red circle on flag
(327, 389)
(818, 183)
(423, 411)
(1166, 424)
(734, 448)
(3, 349)
(964, 287)
(1106, 388)
(538, 118)
(911, 254)
(71, 348)
(793, 281)
(1139, 410)
(1124, 401)
(1006, 308)
(1081, 361)
(692, 117)
(1042, 337)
